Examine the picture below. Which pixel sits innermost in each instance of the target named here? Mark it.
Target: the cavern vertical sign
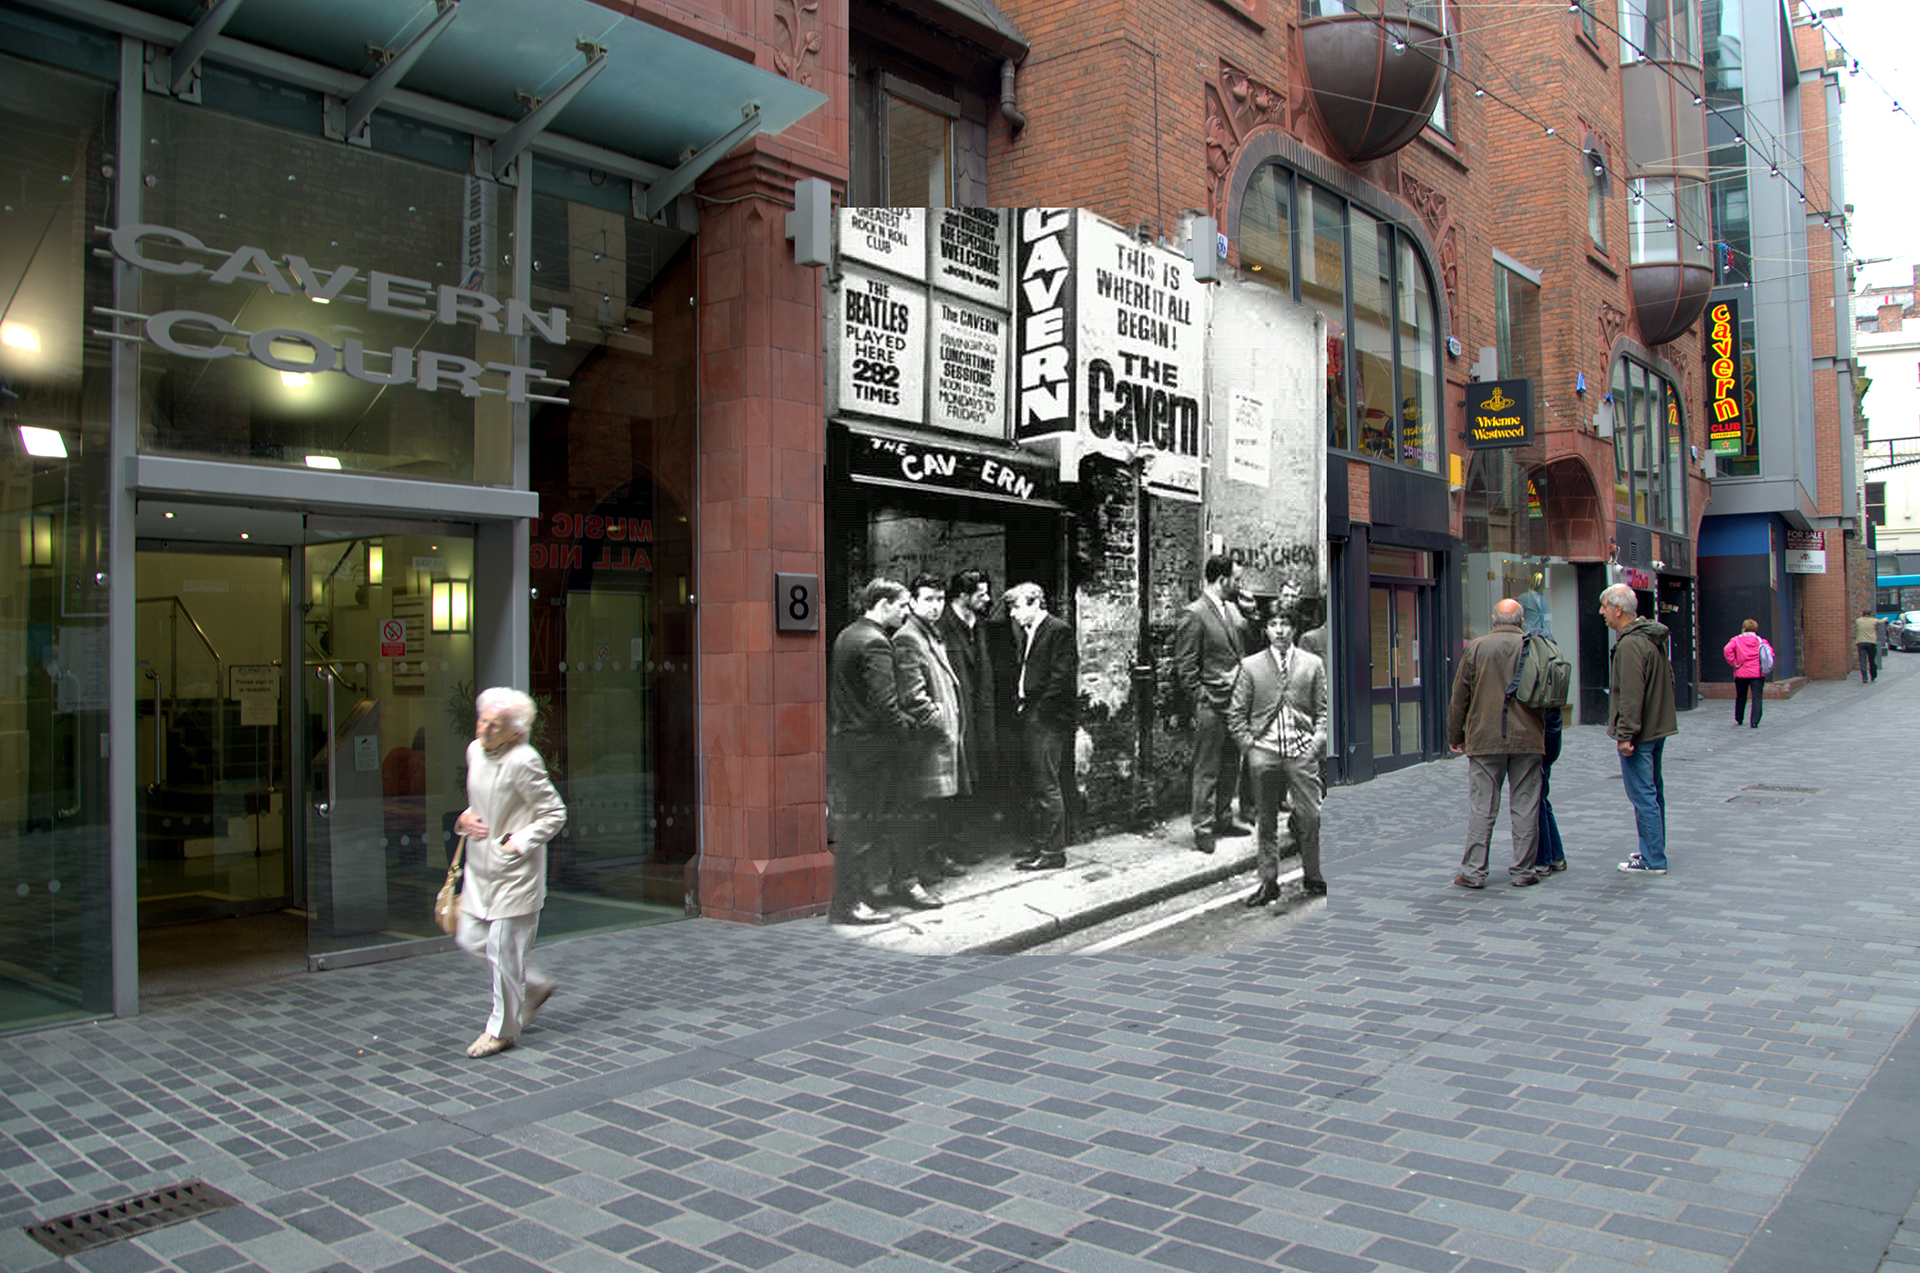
(1110, 336)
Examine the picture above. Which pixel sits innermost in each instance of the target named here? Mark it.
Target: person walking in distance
(1866, 639)
(1046, 692)
(1505, 742)
(1207, 649)
(866, 730)
(1277, 716)
(1749, 678)
(930, 772)
(512, 812)
(1643, 719)
(963, 629)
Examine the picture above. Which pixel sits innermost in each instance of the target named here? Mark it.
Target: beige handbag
(446, 905)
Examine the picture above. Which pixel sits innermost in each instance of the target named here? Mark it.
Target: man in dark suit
(963, 629)
(867, 728)
(1046, 695)
(1278, 717)
(1207, 649)
(928, 770)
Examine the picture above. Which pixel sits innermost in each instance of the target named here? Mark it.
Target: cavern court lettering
(187, 333)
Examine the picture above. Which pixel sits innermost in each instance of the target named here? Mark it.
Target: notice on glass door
(256, 687)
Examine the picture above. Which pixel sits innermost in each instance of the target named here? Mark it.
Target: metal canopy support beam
(187, 54)
(363, 103)
(508, 148)
(674, 184)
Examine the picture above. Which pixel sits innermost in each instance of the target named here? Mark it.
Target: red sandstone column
(762, 444)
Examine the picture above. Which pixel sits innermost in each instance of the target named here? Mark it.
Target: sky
(1883, 180)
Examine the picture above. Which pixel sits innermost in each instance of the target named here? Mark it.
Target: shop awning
(647, 94)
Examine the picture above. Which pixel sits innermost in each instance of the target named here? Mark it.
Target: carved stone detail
(800, 26)
(1450, 277)
(1428, 202)
(1236, 104)
(1613, 321)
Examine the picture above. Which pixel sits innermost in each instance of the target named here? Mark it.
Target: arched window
(1369, 279)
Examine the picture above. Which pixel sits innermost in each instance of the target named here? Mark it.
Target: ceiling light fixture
(45, 443)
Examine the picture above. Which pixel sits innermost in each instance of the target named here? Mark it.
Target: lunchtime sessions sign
(1499, 413)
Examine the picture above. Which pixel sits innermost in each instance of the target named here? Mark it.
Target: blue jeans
(1551, 848)
(1647, 791)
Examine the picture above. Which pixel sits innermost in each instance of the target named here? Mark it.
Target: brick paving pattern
(1599, 1074)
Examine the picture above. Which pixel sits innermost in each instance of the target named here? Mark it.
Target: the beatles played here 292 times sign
(1027, 325)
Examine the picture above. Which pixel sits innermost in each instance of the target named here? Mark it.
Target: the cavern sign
(1110, 352)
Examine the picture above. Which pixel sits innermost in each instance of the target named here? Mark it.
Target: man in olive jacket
(1505, 742)
(1643, 719)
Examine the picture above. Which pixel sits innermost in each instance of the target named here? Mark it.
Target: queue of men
(935, 711)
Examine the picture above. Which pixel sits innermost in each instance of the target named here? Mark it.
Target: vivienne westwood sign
(1499, 413)
(189, 333)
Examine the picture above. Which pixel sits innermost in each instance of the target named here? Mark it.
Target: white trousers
(504, 944)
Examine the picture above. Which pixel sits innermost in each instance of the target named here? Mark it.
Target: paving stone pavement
(1701, 1072)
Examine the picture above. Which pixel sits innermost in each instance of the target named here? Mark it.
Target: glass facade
(1366, 277)
(376, 274)
(612, 556)
(305, 664)
(56, 144)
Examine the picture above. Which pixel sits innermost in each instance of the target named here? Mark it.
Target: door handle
(325, 807)
(159, 738)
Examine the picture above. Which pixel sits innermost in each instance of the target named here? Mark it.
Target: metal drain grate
(129, 1217)
(1768, 786)
(1756, 799)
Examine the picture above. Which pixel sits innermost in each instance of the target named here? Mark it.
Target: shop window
(1649, 448)
(1674, 469)
(1419, 317)
(1658, 31)
(1266, 228)
(56, 134)
(1376, 407)
(1383, 394)
(1323, 285)
(1622, 406)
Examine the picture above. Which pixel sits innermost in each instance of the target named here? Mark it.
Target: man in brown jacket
(1504, 742)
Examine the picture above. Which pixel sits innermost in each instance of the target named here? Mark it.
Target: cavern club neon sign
(188, 333)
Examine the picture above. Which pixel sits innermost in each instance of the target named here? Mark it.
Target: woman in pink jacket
(1743, 656)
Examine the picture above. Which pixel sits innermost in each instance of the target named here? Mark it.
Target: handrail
(322, 660)
(197, 629)
(219, 682)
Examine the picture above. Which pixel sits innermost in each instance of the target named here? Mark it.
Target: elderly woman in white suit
(512, 811)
